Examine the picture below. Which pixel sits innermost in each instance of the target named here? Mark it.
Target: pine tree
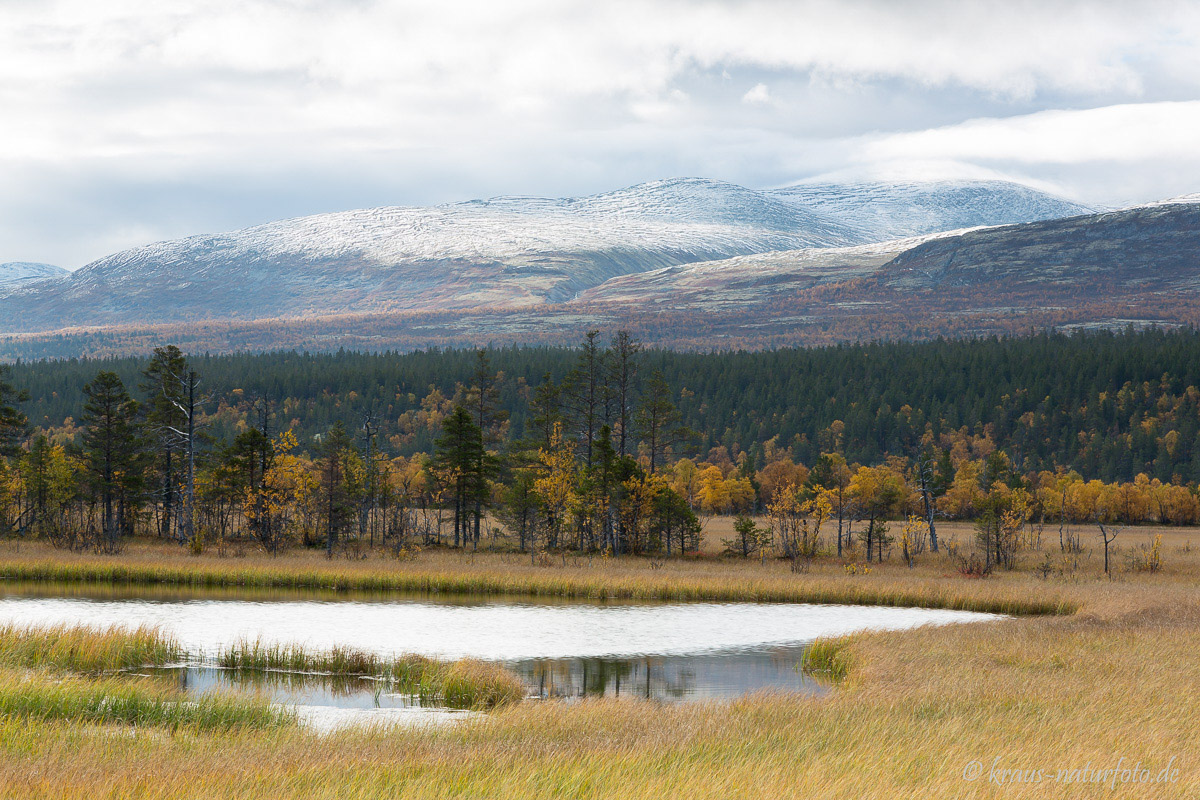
(545, 411)
(458, 456)
(586, 393)
(623, 369)
(658, 420)
(113, 452)
(163, 384)
(484, 399)
(13, 424)
(35, 469)
(335, 499)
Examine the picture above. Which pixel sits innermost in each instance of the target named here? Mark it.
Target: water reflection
(322, 702)
(667, 652)
(294, 688)
(493, 629)
(706, 676)
(712, 676)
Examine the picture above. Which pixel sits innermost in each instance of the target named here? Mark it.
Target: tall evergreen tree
(545, 412)
(163, 384)
(36, 472)
(113, 452)
(586, 393)
(484, 399)
(623, 370)
(336, 505)
(13, 424)
(458, 457)
(658, 420)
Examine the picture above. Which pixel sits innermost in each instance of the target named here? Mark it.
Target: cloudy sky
(128, 121)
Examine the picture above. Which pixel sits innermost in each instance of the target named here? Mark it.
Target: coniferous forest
(605, 446)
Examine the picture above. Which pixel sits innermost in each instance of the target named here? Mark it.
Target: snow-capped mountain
(502, 253)
(506, 252)
(894, 210)
(16, 273)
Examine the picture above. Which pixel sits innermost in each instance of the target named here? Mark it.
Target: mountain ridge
(503, 254)
(14, 273)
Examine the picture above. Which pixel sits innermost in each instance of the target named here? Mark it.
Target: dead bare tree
(1109, 534)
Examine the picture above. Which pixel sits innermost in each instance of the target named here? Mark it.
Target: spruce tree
(113, 452)
(484, 398)
(335, 499)
(13, 424)
(163, 383)
(458, 455)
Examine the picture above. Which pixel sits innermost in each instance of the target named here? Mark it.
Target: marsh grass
(54, 673)
(458, 684)
(1111, 681)
(93, 650)
(1052, 692)
(830, 657)
(130, 702)
(81, 648)
(498, 574)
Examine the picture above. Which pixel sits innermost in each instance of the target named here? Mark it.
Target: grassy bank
(1106, 686)
(53, 673)
(915, 711)
(500, 574)
(829, 657)
(458, 684)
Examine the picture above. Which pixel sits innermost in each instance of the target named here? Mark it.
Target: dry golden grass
(86, 649)
(484, 573)
(1113, 680)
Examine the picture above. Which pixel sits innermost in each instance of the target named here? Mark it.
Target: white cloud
(1119, 133)
(288, 106)
(759, 95)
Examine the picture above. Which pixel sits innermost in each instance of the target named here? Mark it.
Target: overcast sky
(129, 121)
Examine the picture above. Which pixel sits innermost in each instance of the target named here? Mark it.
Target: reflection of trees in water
(651, 678)
(665, 678)
(203, 679)
(671, 678)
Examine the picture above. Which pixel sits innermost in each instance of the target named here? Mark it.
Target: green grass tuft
(457, 684)
(829, 657)
(131, 702)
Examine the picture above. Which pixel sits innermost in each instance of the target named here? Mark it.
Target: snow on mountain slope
(893, 210)
(16, 273)
(1181, 200)
(751, 279)
(1137, 266)
(1112, 253)
(506, 252)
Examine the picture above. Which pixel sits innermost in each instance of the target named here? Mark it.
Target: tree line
(608, 450)
(1108, 405)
